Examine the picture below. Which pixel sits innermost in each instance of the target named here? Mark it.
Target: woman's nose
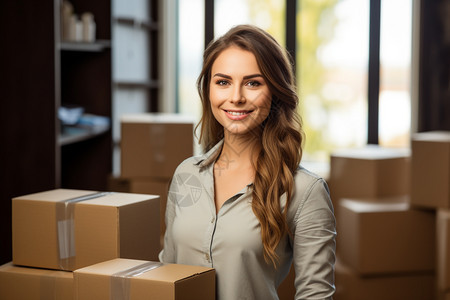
(236, 95)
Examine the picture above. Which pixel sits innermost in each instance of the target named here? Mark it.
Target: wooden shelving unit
(85, 80)
(97, 46)
(40, 73)
(150, 25)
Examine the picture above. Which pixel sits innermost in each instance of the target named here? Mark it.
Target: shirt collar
(210, 156)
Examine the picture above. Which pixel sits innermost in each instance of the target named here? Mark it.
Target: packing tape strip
(120, 281)
(66, 229)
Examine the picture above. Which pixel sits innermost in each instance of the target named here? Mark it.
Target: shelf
(75, 134)
(96, 46)
(151, 84)
(148, 25)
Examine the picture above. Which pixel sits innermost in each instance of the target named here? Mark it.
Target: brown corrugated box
(142, 185)
(443, 295)
(430, 169)
(385, 238)
(286, 290)
(443, 249)
(371, 171)
(154, 144)
(21, 283)
(59, 229)
(411, 286)
(136, 279)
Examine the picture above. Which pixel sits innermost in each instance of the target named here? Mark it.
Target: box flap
(432, 136)
(120, 199)
(370, 207)
(174, 272)
(166, 272)
(161, 118)
(56, 195)
(110, 267)
(372, 152)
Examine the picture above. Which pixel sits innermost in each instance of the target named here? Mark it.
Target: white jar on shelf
(75, 29)
(89, 27)
(66, 13)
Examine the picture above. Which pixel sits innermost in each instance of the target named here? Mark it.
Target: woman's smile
(239, 95)
(237, 115)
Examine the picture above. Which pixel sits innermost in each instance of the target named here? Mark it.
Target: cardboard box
(142, 185)
(443, 295)
(286, 290)
(136, 279)
(430, 169)
(153, 145)
(412, 286)
(385, 238)
(443, 249)
(69, 229)
(19, 283)
(370, 171)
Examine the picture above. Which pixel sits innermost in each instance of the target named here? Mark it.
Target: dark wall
(434, 76)
(27, 113)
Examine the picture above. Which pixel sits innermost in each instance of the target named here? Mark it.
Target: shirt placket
(208, 184)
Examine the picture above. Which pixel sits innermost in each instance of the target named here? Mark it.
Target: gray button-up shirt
(230, 241)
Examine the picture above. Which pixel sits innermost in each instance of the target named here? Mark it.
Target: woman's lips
(237, 115)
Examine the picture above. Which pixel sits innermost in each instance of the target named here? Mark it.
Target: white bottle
(66, 13)
(73, 28)
(89, 27)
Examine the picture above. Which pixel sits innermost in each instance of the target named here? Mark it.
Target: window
(395, 70)
(332, 39)
(267, 14)
(332, 75)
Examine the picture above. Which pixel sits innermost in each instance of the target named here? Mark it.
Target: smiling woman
(240, 98)
(257, 211)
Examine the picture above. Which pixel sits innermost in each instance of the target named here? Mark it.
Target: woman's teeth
(236, 113)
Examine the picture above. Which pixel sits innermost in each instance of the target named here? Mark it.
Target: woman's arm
(314, 243)
(167, 254)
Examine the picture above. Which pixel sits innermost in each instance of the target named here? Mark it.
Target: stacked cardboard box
(430, 189)
(369, 172)
(352, 286)
(70, 229)
(136, 279)
(152, 146)
(19, 283)
(385, 238)
(60, 231)
(384, 245)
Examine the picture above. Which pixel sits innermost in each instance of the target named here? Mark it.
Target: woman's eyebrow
(222, 75)
(229, 77)
(252, 76)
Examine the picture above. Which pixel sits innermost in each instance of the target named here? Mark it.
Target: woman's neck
(240, 150)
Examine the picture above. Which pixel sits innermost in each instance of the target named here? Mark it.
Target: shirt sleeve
(167, 254)
(314, 243)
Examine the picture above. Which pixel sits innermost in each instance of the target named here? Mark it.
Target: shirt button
(207, 256)
(212, 220)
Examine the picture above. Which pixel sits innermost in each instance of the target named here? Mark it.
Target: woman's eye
(221, 82)
(253, 83)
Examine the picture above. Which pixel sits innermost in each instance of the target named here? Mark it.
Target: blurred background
(369, 72)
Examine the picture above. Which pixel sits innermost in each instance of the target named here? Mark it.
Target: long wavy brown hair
(282, 135)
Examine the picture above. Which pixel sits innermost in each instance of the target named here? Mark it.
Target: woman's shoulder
(197, 162)
(309, 185)
(305, 178)
(189, 164)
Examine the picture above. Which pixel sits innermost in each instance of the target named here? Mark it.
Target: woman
(246, 207)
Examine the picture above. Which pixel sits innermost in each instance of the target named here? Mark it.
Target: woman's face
(239, 95)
